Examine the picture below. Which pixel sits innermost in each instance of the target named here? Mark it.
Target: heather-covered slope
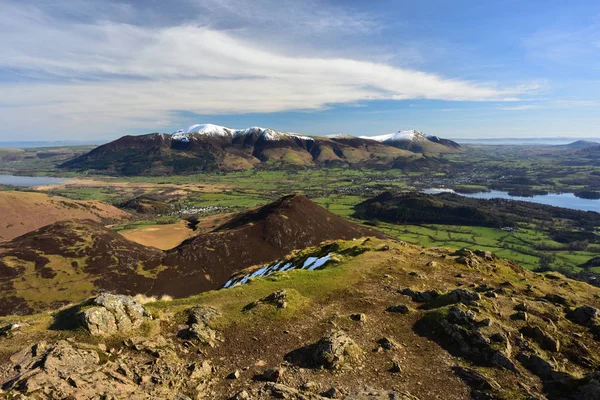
(258, 236)
(70, 260)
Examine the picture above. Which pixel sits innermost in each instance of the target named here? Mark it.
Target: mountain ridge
(213, 148)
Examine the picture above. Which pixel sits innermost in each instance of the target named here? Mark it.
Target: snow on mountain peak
(410, 135)
(216, 130)
(209, 129)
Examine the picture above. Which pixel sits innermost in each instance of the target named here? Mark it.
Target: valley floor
(338, 190)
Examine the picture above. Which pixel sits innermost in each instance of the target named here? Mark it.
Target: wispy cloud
(108, 76)
(523, 107)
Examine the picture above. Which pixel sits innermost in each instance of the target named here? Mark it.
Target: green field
(339, 189)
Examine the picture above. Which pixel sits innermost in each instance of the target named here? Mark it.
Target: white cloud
(111, 77)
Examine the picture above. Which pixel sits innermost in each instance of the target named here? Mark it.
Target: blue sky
(96, 70)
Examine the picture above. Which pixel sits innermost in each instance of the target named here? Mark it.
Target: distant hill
(581, 144)
(452, 209)
(212, 148)
(70, 260)
(22, 212)
(417, 142)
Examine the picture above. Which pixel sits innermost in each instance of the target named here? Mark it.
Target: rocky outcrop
(457, 296)
(199, 319)
(420, 297)
(111, 314)
(584, 315)
(277, 299)
(336, 350)
(542, 338)
(65, 369)
(280, 391)
(458, 331)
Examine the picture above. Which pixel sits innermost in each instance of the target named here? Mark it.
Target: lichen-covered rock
(475, 379)
(280, 391)
(53, 369)
(113, 314)
(272, 375)
(335, 350)
(388, 344)
(199, 318)
(69, 370)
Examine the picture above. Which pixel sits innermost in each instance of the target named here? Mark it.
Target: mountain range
(213, 148)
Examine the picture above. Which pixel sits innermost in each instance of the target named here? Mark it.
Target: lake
(565, 200)
(15, 180)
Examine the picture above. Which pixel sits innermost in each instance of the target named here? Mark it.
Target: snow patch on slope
(310, 264)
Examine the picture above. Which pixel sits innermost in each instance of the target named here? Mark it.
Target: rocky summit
(381, 319)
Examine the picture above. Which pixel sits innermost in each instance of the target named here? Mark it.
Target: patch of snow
(251, 130)
(319, 262)
(181, 136)
(269, 134)
(301, 137)
(310, 264)
(309, 261)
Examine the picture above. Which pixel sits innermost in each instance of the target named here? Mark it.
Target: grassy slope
(321, 300)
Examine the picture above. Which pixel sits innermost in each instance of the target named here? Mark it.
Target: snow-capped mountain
(416, 141)
(211, 148)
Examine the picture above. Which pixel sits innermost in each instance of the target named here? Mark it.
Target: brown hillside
(258, 236)
(68, 261)
(71, 260)
(22, 212)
